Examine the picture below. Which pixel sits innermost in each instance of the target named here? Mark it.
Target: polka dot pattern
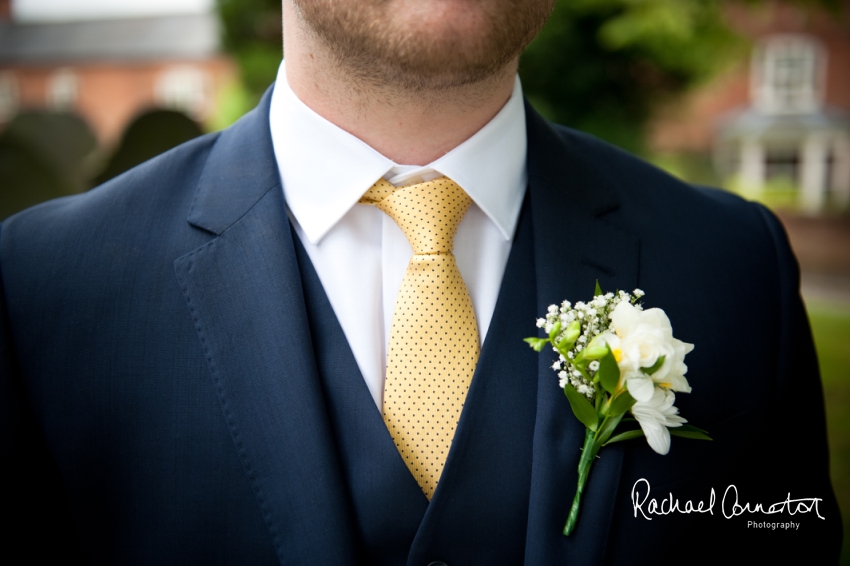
(434, 337)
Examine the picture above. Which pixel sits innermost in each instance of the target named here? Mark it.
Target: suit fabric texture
(176, 389)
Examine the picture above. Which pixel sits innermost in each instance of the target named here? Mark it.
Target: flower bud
(597, 349)
(573, 332)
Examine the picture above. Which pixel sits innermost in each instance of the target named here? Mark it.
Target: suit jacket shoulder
(699, 228)
(653, 197)
(120, 218)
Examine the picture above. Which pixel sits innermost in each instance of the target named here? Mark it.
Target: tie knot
(428, 213)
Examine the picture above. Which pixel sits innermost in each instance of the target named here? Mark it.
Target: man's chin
(425, 45)
(436, 71)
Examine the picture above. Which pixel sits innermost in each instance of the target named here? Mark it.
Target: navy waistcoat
(488, 471)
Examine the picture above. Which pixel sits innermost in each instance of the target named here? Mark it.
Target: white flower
(594, 365)
(562, 379)
(541, 322)
(640, 338)
(654, 416)
(557, 365)
(638, 293)
(553, 309)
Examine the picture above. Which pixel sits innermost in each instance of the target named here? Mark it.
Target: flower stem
(588, 454)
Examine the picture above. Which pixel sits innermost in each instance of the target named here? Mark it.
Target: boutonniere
(614, 357)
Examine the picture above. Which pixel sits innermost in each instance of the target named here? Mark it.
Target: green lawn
(831, 328)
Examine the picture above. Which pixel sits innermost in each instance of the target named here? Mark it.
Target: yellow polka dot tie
(434, 337)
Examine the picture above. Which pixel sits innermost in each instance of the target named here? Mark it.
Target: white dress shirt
(359, 253)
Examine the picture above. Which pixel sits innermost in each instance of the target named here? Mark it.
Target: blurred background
(749, 95)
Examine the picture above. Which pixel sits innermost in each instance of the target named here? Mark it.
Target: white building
(788, 136)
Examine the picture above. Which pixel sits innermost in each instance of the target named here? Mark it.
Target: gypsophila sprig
(615, 357)
(589, 320)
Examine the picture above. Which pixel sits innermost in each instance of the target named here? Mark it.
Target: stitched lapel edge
(574, 247)
(244, 295)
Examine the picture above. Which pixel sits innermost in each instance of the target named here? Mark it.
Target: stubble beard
(373, 49)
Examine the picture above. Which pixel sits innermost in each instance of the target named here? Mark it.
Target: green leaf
(655, 367)
(555, 331)
(696, 435)
(569, 338)
(581, 407)
(628, 435)
(598, 289)
(692, 428)
(621, 403)
(536, 343)
(580, 360)
(607, 428)
(563, 346)
(609, 372)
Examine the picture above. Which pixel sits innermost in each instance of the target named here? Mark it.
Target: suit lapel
(243, 291)
(573, 247)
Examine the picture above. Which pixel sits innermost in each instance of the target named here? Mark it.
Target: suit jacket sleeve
(34, 502)
(794, 452)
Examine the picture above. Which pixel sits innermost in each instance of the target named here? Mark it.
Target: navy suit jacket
(161, 399)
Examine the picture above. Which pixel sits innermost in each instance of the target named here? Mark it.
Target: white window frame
(186, 88)
(775, 88)
(63, 88)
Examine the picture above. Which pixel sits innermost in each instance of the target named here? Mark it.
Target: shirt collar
(325, 170)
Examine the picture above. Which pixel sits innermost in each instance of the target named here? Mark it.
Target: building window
(62, 90)
(788, 74)
(8, 96)
(185, 89)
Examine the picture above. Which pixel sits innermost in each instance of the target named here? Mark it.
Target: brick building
(780, 118)
(108, 71)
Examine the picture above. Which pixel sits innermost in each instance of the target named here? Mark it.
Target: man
(199, 356)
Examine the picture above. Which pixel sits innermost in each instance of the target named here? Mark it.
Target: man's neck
(411, 128)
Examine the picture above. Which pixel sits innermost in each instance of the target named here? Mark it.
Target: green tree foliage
(253, 34)
(149, 134)
(601, 65)
(43, 155)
